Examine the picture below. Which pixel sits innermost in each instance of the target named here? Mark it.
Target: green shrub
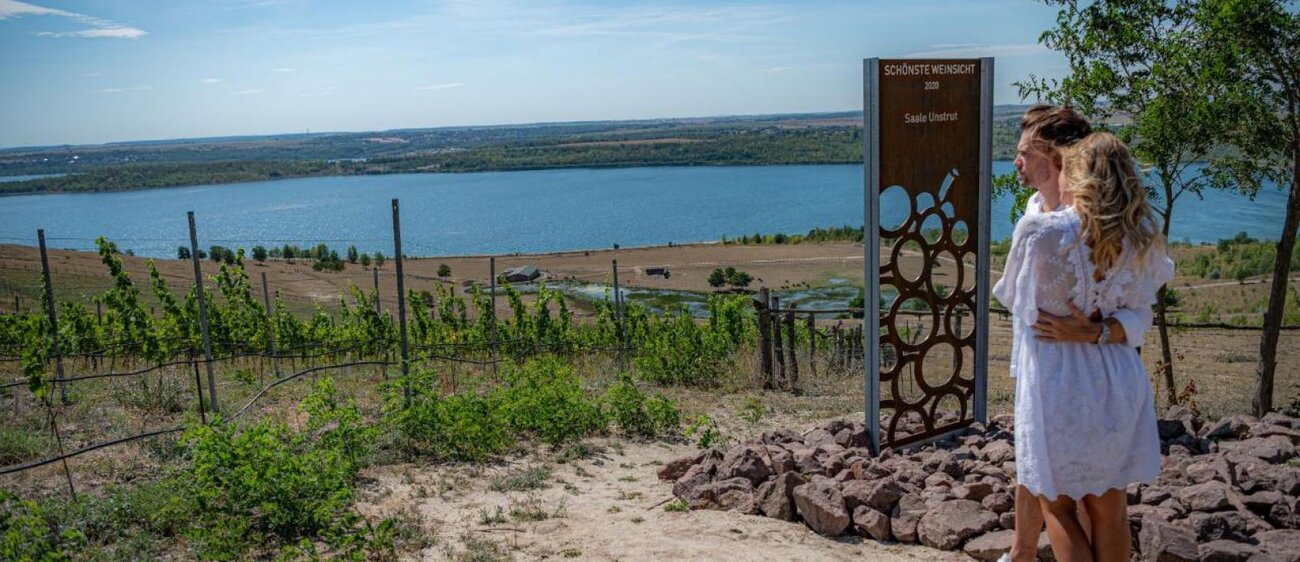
(680, 351)
(458, 427)
(26, 532)
(636, 415)
(544, 397)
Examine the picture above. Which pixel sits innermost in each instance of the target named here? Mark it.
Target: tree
(379, 259)
(1135, 60)
(365, 260)
(739, 279)
(352, 254)
(1252, 48)
(718, 278)
(182, 253)
(259, 253)
(444, 270)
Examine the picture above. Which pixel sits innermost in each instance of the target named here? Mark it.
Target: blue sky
(97, 71)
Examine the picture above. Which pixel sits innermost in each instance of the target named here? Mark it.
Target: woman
(1085, 418)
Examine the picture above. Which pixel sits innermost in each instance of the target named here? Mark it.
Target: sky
(96, 71)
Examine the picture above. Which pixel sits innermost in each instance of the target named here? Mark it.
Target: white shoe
(1005, 558)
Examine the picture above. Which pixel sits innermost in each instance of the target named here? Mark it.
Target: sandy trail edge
(608, 511)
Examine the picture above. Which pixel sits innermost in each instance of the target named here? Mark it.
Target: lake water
(527, 212)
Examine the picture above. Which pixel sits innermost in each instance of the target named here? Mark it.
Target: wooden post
(791, 349)
(837, 352)
(618, 318)
(18, 305)
(203, 315)
(54, 321)
(375, 271)
(492, 310)
(401, 302)
(99, 312)
(778, 345)
(270, 328)
(812, 343)
(765, 338)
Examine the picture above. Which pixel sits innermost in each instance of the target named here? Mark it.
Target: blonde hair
(1110, 200)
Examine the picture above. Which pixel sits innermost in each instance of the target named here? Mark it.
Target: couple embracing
(1085, 263)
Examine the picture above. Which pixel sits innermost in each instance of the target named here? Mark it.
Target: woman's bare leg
(1069, 543)
(1110, 534)
(1029, 524)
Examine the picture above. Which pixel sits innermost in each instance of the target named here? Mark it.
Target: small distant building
(521, 274)
(660, 271)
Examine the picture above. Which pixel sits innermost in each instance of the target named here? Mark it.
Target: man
(1045, 131)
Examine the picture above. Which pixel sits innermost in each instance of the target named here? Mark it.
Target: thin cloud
(210, 80)
(284, 70)
(123, 90)
(779, 69)
(972, 50)
(247, 92)
(447, 86)
(98, 27)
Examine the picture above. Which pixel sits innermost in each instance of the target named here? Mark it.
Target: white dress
(1085, 417)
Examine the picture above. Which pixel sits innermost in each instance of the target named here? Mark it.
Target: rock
(822, 507)
(1216, 468)
(1007, 520)
(998, 452)
(1209, 496)
(745, 461)
(1226, 551)
(817, 437)
(1161, 541)
(939, 479)
(1269, 430)
(677, 468)
(1278, 418)
(1223, 525)
(1269, 449)
(1231, 427)
(1282, 543)
(780, 459)
(975, 491)
(1155, 495)
(1285, 513)
(778, 437)
(999, 502)
(1186, 415)
(1171, 429)
(1138, 513)
(1262, 502)
(871, 523)
(951, 523)
(905, 517)
(776, 498)
(880, 495)
(989, 547)
(690, 485)
(732, 494)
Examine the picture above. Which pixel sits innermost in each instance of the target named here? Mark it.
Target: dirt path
(605, 507)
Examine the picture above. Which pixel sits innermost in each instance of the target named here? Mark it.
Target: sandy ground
(605, 507)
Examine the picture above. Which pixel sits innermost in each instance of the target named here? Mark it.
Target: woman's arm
(1079, 328)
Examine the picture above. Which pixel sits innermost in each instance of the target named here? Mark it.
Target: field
(594, 495)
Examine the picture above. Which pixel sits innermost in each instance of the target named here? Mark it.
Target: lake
(525, 212)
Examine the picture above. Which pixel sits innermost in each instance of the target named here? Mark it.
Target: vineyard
(229, 411)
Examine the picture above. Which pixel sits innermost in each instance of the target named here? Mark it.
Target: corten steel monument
(928, 161)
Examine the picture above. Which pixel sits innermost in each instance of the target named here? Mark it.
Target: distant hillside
(814, 138)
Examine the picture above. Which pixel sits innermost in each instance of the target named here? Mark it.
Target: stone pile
(1227, 492)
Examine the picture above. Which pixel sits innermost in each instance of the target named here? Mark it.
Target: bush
(544, 397)
(459, 428)
(679, 351)
(636, 415)
(27, 534)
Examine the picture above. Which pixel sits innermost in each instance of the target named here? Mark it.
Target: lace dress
(1085, 417)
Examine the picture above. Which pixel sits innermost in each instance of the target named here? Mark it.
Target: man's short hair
(1058, 126)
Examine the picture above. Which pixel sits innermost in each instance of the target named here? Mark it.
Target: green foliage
(352, 254)
(182, 253)
(704, 430)
(458, 427)
(844, 233)
(640, 416)
(26, 532)
(752, 410)
(544, 397)
(729, 276)
(444, 270)
(1240, 257)
(259, 253)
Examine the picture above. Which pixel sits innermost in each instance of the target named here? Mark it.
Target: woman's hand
(1076, 327)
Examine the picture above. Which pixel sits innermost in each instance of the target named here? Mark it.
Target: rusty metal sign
(928, 161)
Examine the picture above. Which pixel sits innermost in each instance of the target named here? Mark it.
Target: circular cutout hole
(948, 409)
(913, 322)
(932, 228)
(961, 321)
(937, 365)
(895, 208)
(945, 274)
(909, 260)
(959, 234)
